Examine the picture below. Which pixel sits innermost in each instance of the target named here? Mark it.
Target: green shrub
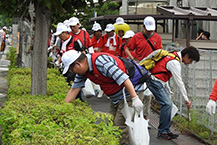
(20, 82)
(12, 56)
(194, 127)
(27, 119)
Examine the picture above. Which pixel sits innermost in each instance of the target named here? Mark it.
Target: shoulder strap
(84, 39)
(122, 48)
(148, 41)
(70, 41)
(174, 56)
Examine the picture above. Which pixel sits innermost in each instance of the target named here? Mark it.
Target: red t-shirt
(142, 47)
(112, 49)
(213, 95)
(122, 53)
(80, 36)
(97, 43)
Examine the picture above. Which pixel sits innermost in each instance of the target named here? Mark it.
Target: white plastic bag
(137, 129)
(88, 89)
(174, 111)
(139, 134)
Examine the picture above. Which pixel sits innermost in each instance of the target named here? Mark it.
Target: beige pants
(147, 105)
(119, 119)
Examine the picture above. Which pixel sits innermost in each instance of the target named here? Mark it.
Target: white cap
(68, 58)
(60, 29)
(128, 34)
(74, 21)
(149, 23)
(4, 28)
(66, 23)
(119, 21)
(96, 27)
(109, 28)
(59, 24)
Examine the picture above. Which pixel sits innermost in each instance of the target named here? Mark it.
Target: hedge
(27, 119)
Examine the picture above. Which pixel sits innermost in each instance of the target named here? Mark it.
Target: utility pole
(124, 7)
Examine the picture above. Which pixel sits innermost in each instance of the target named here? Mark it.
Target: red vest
(160, 71)
(70, 44)
(108, 85)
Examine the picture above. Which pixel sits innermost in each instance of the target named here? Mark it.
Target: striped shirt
(107, 66)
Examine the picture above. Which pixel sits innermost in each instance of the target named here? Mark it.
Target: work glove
(211, 107)
(57, 63)
(137, 104)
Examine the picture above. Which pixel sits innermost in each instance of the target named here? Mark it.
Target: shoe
(164, 136)
(172, 135)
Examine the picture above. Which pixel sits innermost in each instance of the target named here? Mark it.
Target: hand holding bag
(137, 129)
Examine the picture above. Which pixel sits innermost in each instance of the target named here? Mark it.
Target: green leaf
(62, 1)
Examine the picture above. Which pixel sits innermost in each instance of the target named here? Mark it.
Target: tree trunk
(39, 62)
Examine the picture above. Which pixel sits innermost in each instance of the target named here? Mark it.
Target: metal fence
(199, 79)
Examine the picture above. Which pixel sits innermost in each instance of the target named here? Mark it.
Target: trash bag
(174, 111)
(138, 128)
(88, 90)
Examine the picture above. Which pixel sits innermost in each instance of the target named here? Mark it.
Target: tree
(101, 8)
(44, 9)
(4, 21)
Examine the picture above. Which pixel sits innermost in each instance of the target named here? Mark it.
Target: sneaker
(172, 135)
(164, 136)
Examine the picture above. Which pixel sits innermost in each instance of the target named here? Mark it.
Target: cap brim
(125, 37)
(65, 69)
(108, 30)
(150, 28)
(97, 30)
(57, 33)
(73, 24)
(120, 23)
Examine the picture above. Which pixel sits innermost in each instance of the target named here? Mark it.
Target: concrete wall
(143, 8)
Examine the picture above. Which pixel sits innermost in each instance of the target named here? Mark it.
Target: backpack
(137, 74)
(150, 61)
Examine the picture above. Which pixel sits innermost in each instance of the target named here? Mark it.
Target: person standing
(80, 34)
(211, 105)
(127, 36)
(121, 27)
(111, 42)
(140, 41)
(142, 44)
(3, 38)
(110, 73)
(97, 39)
(158, 84)
(68, 43)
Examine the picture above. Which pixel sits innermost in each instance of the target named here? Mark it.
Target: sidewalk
(102, 104)
(3, 72)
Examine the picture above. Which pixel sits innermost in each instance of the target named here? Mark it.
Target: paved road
(102, 104)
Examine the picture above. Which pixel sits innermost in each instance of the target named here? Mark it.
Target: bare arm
(199, 36)
(127, 51)
(130, 88)
(72, 94)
